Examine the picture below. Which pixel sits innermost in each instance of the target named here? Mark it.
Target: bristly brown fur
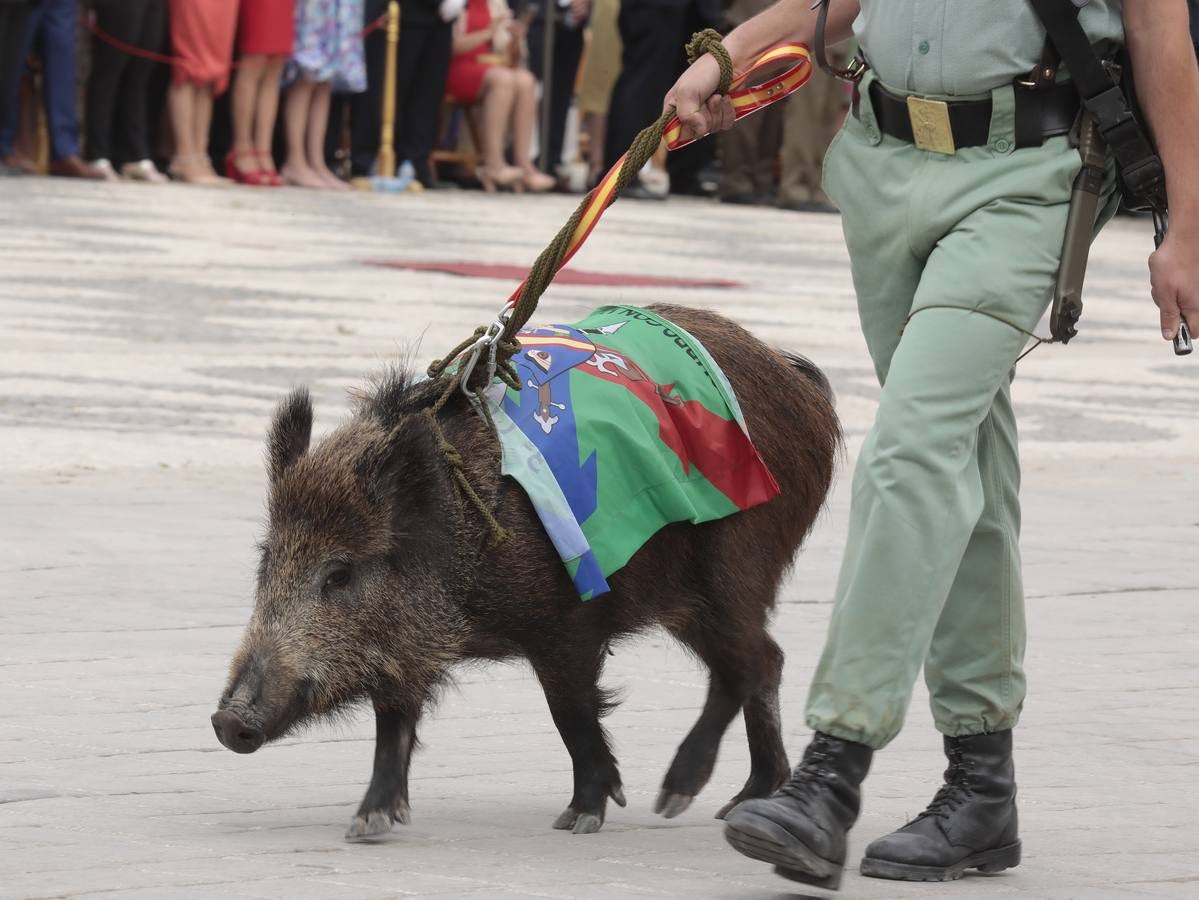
(373, 505)
(290, 432)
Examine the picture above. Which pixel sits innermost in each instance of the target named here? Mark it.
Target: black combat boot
(801, 828)
(971, 823)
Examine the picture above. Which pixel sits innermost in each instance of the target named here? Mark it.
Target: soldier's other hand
(1174, 277)
(694, 99)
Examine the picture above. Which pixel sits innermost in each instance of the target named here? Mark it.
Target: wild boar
(376, 579)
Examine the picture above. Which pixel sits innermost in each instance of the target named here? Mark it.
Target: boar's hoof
(670, 805)
(566, 820)
(577, 822)
(372, 825)
(588, 824)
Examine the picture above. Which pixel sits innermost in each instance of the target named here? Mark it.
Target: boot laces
(806, 782)
(955, 791)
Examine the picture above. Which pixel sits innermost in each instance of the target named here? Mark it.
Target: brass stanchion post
(387, 154)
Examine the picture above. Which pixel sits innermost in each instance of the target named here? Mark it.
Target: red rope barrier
(130, 50)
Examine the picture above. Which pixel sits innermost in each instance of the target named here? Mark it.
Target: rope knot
(709, 41)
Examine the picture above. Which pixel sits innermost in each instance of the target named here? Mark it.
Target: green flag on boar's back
(623, 423)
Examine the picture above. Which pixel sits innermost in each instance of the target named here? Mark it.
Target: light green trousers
(931, 572)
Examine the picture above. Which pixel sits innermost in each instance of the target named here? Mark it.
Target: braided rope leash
(502, 343)
(548, 262)
(499, 339)
(640, 152)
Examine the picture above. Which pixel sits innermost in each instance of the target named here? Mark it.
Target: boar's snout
(236, 734)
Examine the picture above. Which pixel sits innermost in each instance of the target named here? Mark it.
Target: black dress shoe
(744, 199)
(802, 827)
(971, 823)
(638, 191)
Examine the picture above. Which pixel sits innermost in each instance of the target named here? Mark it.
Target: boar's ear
(290, 432)
(402, 463)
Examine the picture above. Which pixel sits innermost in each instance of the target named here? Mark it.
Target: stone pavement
(146, 333)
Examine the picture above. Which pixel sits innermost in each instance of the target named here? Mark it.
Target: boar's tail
(810, 370)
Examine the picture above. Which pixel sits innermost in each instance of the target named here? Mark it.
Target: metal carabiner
(488, 340)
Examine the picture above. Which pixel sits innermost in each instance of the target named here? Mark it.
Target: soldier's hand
(700, 110)
(1174, 276)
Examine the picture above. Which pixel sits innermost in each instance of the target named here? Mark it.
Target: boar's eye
(336, 575)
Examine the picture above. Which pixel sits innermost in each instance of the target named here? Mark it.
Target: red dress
(202, 41)
(465, 80)
(266, 27)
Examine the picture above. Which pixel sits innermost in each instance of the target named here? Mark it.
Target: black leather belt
(1040, 114)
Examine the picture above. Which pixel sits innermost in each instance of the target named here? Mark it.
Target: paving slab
(146, 333)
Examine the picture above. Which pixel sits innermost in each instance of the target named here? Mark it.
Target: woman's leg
(190, 162)
(597, 129)
(296, 111)
(203, 126)
(318, 125)
(247, 85)
(499, 96)
(181, 99)
(268, 111)
(524, 120)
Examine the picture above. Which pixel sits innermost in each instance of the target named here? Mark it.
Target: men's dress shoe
(639, 191)
(143, 170)
(802, 827)
(743, 199)
(693, 186)
(971, 823)
(74, 167)
(21, 165)
(104, 167)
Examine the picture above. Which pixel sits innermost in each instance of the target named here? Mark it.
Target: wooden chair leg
(472, 124)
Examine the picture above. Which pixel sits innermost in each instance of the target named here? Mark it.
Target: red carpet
(566, 276)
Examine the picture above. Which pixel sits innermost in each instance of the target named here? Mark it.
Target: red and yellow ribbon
(747, 97)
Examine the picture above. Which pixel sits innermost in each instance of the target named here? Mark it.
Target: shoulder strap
(1140, 167)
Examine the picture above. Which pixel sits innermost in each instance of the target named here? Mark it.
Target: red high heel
(269, 172)
(253, 177)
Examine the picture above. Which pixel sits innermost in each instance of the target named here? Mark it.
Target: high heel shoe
(193, 169)
(254, 177)
(538, 182)
(271, 176)
(507, 178)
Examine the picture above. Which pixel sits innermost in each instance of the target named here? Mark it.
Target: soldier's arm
(1159, 40)
(787, 20)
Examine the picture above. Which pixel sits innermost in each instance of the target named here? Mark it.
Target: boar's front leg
(569, 678)
(386, 800)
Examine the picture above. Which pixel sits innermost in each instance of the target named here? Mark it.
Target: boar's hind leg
(386, 800)
(743, 672)
(570, 678)
(763, 727)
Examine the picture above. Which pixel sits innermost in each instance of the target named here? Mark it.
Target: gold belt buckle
(930, 125)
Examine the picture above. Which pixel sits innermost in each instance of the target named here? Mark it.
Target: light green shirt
(960, 47)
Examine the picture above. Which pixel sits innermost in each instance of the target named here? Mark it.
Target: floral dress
(329, 43)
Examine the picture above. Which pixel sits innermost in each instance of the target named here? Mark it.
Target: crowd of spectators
(272, 92)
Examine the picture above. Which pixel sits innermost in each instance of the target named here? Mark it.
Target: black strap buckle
(857, 66)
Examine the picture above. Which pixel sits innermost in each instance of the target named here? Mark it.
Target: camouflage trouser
(931, 572)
